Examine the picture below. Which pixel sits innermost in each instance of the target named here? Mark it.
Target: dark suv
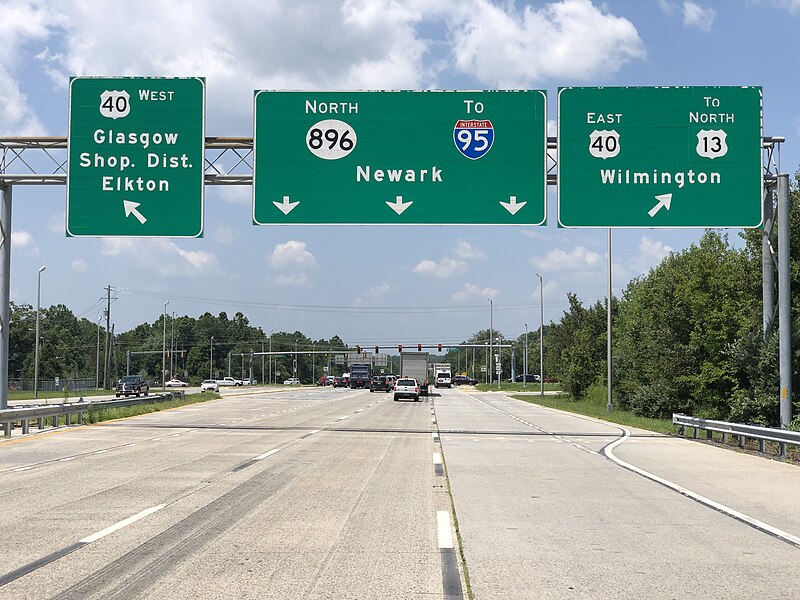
(380, 383)
(129, 385)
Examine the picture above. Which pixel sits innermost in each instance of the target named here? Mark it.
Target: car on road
(292, 381)
(175, 383)
(339, 382)
(464, 380)
(129, 385)
(406, 388)
(529, 378)
(230, 381)
(209, 385)
(379, 383)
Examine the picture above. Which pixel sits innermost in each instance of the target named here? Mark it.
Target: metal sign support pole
(784, 300)
(767, 262)
(5, 288)
(610, 403)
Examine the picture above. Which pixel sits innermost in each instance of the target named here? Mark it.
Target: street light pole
(36, 357)
(491, 328)
(525, 358)
(211, 360)
(164, 351)
(541, 336)
(270, 355)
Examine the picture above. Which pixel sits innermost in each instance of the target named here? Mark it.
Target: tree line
(74, 348)
(688, 336)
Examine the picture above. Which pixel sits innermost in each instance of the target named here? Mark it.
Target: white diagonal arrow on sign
(512, 205)
(399, 206)
(286, 207)
(131, 208)
(664, 201)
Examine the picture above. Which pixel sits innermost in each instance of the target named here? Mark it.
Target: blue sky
(367, 284)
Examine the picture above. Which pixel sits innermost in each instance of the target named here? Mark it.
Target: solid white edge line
(437, 458)
(609, 452)
(314, 431)
(268, 454)
(108, 530)
(19, 470)
(443, 525)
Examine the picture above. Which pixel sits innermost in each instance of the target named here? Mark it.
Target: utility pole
(107, 362)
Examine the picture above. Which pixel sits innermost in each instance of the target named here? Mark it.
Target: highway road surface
(337, 493)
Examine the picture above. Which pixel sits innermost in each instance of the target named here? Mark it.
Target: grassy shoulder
(516, 387)
(594, 405)
(97, 414)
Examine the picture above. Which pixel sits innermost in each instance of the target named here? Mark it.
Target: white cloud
(354, 44)
(465, 250)
(506, 47)
(162, 258)
(669, 7)
(651, 252)
(291, 280)
(452, 264)
(376, 295)
(444, 269)
(236, 194)
(222, 233)
(558, 260)
(292, 254)
(21, 23)
(79, 265)
(698, 16)
(380, 291)
(694, 15)
(22, 241)
(792, 6)
(470, 290)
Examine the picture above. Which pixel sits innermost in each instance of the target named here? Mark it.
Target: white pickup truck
(229, 381)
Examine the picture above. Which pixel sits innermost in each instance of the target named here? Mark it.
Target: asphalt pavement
(337, 493)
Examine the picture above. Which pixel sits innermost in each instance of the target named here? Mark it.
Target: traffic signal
(419, 347)
(399, 347)
(376, 349)
(440, 347)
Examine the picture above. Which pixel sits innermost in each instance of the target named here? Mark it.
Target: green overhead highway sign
(436, 158)
(136, 157)
(660, 157)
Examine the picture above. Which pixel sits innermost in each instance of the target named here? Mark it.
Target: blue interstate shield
(474, 137)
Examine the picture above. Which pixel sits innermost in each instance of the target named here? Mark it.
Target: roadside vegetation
(594, 404)
(506, 386)
(97, 414)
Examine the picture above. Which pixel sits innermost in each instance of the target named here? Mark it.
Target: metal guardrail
(70, 411)
(763, 434)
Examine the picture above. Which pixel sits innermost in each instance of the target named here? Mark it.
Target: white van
(444, 379)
